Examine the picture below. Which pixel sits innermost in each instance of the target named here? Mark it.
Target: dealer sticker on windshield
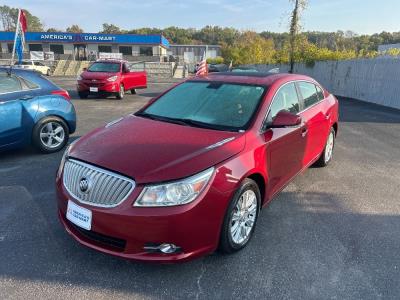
(78, 215)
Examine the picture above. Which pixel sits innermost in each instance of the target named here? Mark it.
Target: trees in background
(8, 19)
(74, 29)
(247, 47)
(110, 28)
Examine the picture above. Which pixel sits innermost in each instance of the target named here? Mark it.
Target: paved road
(332, 233)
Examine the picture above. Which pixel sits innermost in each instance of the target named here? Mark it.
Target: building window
(146, 51)
(106, 49)
(35, 47)
(125, 50)
(10, 48)
(57, 49)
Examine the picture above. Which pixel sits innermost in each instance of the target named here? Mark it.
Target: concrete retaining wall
(372, 80)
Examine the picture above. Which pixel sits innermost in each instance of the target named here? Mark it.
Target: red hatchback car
(190, 172)
(110, 77)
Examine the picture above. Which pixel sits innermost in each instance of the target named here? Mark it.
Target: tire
(231, 240)
(50, 134)
(83, 95)
(327, 153)
(133, 91)
(48, 73)
(121, 93)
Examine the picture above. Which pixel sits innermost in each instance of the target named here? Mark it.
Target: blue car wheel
(50, 134)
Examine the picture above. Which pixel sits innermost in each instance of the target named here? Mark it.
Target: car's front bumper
(125, 230)
(102, 87)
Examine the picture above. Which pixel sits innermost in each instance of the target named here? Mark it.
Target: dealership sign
(77, 37)
(66, 37)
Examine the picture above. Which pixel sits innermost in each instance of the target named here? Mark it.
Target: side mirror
(84, 69)
(285, 119)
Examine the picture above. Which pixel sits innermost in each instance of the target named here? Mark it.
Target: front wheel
(241, 217)
(327, 154)
(50, 134)
(121, 93)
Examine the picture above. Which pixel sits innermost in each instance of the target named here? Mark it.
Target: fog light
(165, 248)
(168, 248)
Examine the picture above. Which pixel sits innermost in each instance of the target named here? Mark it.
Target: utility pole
(295, 28)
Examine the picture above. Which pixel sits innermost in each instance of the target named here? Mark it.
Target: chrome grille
(95, 186)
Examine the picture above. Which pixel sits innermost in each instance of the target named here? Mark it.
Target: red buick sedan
(190, 172)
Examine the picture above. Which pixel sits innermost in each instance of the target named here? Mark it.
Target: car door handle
(26, 97)
(304, 131)
(328, 116)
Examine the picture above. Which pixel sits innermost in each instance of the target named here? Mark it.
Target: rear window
(9, 84)
(28, 85)
(320, 93)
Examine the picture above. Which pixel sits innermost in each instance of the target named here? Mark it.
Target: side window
(309, 93)
(9, 84)
(285, 99)
(320, 93)
(38, 64)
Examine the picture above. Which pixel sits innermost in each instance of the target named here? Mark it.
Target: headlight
(175, 193)
(79, 78)
(112, 79)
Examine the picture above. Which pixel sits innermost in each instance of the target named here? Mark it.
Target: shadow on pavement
(306, 246)
(352, 110)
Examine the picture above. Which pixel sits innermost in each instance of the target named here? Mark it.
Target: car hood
(152, 151)
(97, 75)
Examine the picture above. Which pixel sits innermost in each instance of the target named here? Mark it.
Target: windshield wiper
(195, 123)
(161, 118)
(184, 121)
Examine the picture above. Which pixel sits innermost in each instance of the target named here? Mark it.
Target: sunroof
(245, 74)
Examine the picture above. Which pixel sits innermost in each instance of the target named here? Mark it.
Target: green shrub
(215, 60)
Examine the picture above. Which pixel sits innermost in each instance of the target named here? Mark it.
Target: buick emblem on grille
(84, 185)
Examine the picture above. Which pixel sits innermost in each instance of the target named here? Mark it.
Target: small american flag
(202, 69)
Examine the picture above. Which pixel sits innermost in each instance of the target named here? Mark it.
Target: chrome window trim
(101, 171)
(301, 100)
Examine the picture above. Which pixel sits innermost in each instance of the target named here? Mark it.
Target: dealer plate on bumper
(78, 215)
(93, 89)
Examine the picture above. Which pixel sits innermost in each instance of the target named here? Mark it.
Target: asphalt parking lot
(333, 233)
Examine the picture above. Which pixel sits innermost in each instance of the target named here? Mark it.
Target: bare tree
(299, 6)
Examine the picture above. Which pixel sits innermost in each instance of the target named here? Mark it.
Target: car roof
(256, 78)
(111, 61)
(30, 75)
(17, 70)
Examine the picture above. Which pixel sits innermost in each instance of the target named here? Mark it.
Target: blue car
(33, 110)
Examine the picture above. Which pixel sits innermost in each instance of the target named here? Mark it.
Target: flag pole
(16, 35)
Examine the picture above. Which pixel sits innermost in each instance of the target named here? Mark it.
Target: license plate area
(94, 89)
(78, 215)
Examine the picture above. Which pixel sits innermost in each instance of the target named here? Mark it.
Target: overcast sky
(361, 16)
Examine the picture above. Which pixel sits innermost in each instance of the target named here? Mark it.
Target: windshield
(222, 106)
(104, 67)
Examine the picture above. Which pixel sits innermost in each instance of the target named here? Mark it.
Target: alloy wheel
(243, 217)
(329, 147)
(52, 134)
